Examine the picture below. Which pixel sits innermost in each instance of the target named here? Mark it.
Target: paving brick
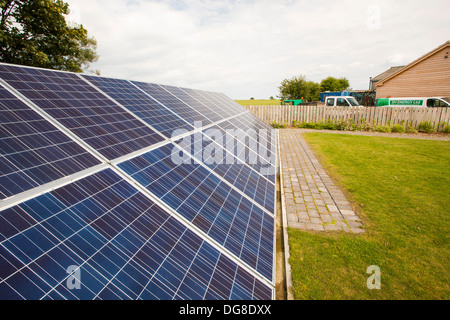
(354, 224)
(314, 226)
(313, 213)
(326, 218)
(322, 210)
(320, 202)
(310, 205)
(348, 212)
(298, 225)
(331, 227)
(316, 220)
(303, 215)
(357, 230)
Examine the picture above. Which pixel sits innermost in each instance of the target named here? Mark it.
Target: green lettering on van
(406, 102)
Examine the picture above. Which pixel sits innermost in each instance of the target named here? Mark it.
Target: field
(400, 189)
(260, 102)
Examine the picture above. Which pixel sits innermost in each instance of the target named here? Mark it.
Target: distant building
(428, 76)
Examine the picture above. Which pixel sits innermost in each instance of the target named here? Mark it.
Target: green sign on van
(406, 102)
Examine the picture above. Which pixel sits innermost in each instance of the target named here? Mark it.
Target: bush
(278, 125)
(426, 126)
(384, 128)
(398, 128)
(410, 129)
(342, 125)
(446, 128)
(329, 125)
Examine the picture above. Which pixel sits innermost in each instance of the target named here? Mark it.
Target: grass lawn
(400, 189)
(258, 102)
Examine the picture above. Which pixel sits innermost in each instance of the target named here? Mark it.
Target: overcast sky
(245, 48)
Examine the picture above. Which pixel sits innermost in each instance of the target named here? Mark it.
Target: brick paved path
(312, 201)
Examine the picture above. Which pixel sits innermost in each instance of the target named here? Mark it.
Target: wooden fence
(412, 116)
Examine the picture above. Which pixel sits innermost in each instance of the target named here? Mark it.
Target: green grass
(260, 102)
(400, 189)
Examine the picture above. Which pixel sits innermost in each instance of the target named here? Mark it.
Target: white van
(431, 102)
(346, 101)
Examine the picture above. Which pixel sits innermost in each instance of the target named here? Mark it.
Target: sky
(245, 48)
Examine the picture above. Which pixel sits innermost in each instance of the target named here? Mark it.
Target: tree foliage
(298, 88)
(334, 84)
(35, 33)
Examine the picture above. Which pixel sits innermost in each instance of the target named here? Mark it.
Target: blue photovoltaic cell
(210, 152)
(248, 147)
(118, 243)
(132, 98)
(208, 203)
(207, 98)
(33, 151)
(89, 114)
(183, 110)
(254, 145)
(204, 109)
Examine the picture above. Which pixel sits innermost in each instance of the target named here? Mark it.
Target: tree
(35, 33)
(334, 84)
(298, 88)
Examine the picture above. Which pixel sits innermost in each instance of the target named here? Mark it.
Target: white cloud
(245, 48)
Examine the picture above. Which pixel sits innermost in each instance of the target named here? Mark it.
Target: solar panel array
(117, 189)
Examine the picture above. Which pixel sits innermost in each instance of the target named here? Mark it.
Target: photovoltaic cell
(207, 99)
(206, 149)
(119, 243)
(204, 109)
(131, 97)
(33, 151)
(209, 204)
(251, 145)
(89, 114)
(183, 110)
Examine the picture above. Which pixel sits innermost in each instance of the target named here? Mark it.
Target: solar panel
(209, 204)
(100, 199)
(33, 151)
(88, 113)
(135, 100)
(211, 114)
(229, 104)
(209, 100)
(206, 148)
(123, 244)
(182, 109)
(252, 145)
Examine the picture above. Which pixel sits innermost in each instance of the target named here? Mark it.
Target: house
(428, 76)
(381, 76)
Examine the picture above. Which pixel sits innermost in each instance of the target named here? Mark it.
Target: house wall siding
(430, 77)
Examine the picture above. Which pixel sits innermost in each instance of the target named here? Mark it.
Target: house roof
(387, 73)
(415, 62)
